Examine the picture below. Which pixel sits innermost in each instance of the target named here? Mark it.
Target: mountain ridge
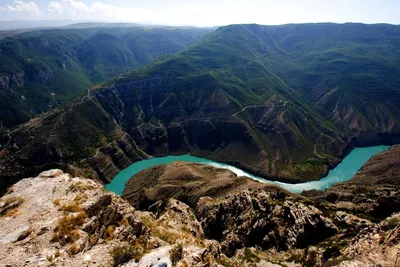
(235, 97)
(41, 68)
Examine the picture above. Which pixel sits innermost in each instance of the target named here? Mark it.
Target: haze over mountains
(29, 24)
(284, 102)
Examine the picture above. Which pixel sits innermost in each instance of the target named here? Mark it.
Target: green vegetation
(327, 82)
(282, 102)
(40, 69)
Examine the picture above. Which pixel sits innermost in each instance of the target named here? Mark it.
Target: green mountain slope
(40, 69)
(285, 102)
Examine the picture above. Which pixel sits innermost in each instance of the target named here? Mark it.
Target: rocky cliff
(57, 220)
(11, 81)
(373, 191)
(383, 168)
(283, 227)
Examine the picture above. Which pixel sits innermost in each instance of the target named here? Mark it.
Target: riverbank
(343, 171)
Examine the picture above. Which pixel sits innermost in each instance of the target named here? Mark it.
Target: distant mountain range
(284, 102)
(40, 69)
(12, 25)
(32, 24)
(29, 24)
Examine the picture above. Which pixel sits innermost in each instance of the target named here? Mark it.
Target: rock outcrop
(376, 245)
(383, 168)
(264, 219)
(42, 76)
(373, 191)
(11, 81)
(281, 226)
(57, 220)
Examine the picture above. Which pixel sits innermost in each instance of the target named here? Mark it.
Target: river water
(343, 172)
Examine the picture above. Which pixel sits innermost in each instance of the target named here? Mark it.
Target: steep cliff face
(11, 81)
(383, 168)
(80, 138)
(55, 219)
(288, 231)
(284, 228)
(263, 219)
(270, 139)
(18, 79)
(246, 103)
(51, 66)
(374, 191)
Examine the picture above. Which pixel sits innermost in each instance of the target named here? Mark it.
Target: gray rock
(51, 173)
(15, 235)
(264, 219)
(15, 80)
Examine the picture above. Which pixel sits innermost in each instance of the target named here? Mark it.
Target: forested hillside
(40, 69)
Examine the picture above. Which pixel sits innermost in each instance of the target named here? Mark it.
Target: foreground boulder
(57, 219)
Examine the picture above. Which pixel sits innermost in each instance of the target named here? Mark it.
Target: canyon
(163, 218)
(273, 105)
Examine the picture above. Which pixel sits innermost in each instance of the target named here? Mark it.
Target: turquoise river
(343, 172)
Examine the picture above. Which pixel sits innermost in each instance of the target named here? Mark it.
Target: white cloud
(185, 14)
(99, 11)
(55, 8)
(75, 8)
(204, 12)
(121, 13)
(21, 7)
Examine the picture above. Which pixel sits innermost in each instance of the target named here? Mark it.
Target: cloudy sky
(204, 12)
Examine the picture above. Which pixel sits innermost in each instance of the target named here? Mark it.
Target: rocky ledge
(383, 168)
(374, 191)
(249, 218)
(57, 220)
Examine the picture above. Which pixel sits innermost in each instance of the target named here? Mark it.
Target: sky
(204, 12)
